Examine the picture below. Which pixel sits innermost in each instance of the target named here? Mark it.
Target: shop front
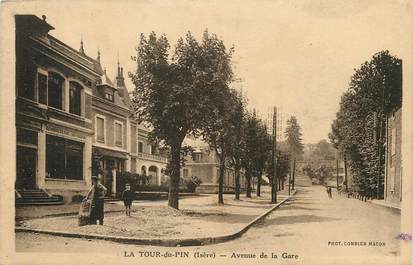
(108, 164)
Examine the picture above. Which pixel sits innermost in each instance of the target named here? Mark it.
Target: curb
(173, 242)
(386, 206)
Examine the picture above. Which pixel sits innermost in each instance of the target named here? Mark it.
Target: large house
(150, 161)
(72, 120)
(54, 86)
(204, 164)
(115, 136)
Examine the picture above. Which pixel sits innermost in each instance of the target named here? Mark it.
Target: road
(310, 226)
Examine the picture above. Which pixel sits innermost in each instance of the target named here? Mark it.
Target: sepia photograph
(206, 132)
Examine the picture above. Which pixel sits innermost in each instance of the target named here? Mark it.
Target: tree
(263, 153)
(236, 151)
(294, 142)
(173, 95)
(220, 131)
(256, 147)
(358, 131)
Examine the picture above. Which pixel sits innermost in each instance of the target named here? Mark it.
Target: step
(39, 203)
(38, 200)
(34, 195)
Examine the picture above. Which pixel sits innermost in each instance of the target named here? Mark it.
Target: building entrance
(26, 167)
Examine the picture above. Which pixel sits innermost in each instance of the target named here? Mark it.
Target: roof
(81, 58)
(106, 80)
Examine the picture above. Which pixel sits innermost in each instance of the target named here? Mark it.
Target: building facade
(114, 148)
(203, 164)
(150, 161)
(393, 158)
(54, 127)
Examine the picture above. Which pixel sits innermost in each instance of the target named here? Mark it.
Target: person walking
(127, 197)
(328, 190)
(97, 194)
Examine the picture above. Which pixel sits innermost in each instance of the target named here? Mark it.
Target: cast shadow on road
(291, 206)
(230, 218)
(295, 219)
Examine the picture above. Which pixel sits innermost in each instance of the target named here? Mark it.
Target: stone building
(150, 162)
(54, 127)
(115, 130)
(393, 158)
(203, 164)
(72, 121)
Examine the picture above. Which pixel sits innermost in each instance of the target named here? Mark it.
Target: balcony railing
(152, 157)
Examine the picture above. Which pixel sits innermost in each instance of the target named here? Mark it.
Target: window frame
(81, 91)
(98, 116)
(140, 144)
(66, 151)
(115, 122)
(63, 89)
(44, 72)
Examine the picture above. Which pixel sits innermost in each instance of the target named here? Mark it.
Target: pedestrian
(330, 195)
(97, 194)
(127, 197)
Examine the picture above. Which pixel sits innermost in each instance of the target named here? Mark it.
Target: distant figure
(330, 195)
(127, 197)
(97, 194)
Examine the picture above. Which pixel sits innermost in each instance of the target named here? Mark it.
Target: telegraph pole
(274, 182)
(337, 171)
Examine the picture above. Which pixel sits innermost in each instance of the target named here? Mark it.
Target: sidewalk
(386, 204)
(198, 217)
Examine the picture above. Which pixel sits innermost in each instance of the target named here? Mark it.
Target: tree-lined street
(308, 225)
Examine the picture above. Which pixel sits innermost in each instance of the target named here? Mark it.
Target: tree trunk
(259, 177)
(345, 172)
(248, 179)
(237, 184)
(173, 196)
(289, 183)
(293, 174)
(221, 182)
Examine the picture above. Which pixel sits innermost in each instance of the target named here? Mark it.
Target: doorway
(26, 167)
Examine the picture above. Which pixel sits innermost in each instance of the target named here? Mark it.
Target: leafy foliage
(175, 95)
(358, 131)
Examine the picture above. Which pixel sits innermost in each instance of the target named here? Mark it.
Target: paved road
(311, 226)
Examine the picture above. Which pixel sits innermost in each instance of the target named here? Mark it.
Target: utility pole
(274, 182)
(293, 180)
(337, 171)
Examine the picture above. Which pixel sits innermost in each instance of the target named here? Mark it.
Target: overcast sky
(298, 55)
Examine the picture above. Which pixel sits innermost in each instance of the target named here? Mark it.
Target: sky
(296, 55)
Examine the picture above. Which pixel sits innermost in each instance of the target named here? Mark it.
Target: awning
(98, 151)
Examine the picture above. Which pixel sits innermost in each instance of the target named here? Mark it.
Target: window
(140, 147)
(26, 136)
(75, 98)
(100, 129)
(55, 91)
(185, 172)
(42, 86)
(25, 76)
(153, 149)
(118, 134)
(109, 96)
(64, 158)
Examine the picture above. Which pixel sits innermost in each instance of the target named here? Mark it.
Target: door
(108, 178)
(26, 167)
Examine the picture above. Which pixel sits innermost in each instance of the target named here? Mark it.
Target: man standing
(97, 193)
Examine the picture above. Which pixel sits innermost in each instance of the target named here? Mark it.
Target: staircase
(36, 197)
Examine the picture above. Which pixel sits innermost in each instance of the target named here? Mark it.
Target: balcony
(156, 158)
